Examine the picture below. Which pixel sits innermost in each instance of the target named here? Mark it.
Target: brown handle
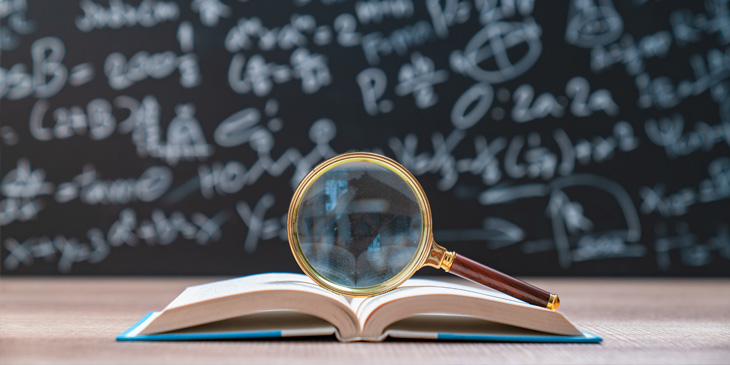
(474, 271)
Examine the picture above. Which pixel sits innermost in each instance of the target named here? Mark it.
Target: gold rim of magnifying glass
(423, 246)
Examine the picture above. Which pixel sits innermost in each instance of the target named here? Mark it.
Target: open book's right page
(422, 308)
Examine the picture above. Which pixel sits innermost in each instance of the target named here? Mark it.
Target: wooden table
(652, 321)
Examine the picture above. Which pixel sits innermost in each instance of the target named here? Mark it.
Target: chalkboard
(582, 137)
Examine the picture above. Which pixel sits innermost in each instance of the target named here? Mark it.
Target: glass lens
(359, 224)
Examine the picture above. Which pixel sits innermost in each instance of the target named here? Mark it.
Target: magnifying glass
(359, 224)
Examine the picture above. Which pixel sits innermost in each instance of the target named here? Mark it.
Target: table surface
(653, 321)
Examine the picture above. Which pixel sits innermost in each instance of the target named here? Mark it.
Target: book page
(430, 325)
(415, 287)
(287, 322)
(232, 298)
(247, 284)
(465, 286)
(421, 296)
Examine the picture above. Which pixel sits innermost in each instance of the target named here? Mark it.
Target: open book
(283, 305)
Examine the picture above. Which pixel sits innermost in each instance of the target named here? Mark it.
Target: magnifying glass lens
(359, 224)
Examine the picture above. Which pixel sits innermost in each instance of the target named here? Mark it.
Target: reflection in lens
(359, 224)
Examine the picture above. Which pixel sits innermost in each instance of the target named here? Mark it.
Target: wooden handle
(476, 272)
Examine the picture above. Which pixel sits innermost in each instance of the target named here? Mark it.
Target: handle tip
(553, 302)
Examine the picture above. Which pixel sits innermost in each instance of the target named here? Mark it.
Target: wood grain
(642, 321)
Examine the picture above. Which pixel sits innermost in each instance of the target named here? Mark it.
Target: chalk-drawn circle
(275, 125)
(597, 27)
(482, 94)
(237, 128)
(498, 113)
(9, 136)
(153, 183)
(490, 47)
(322, 131)
(503, 95)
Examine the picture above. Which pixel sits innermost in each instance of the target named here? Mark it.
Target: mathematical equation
(591, 137)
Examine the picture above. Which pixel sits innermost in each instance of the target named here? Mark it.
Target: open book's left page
(269, 324)
(222, 300)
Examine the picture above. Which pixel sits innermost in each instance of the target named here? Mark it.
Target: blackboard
(582, 137)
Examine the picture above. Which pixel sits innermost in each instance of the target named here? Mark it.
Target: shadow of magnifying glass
(359, 224)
